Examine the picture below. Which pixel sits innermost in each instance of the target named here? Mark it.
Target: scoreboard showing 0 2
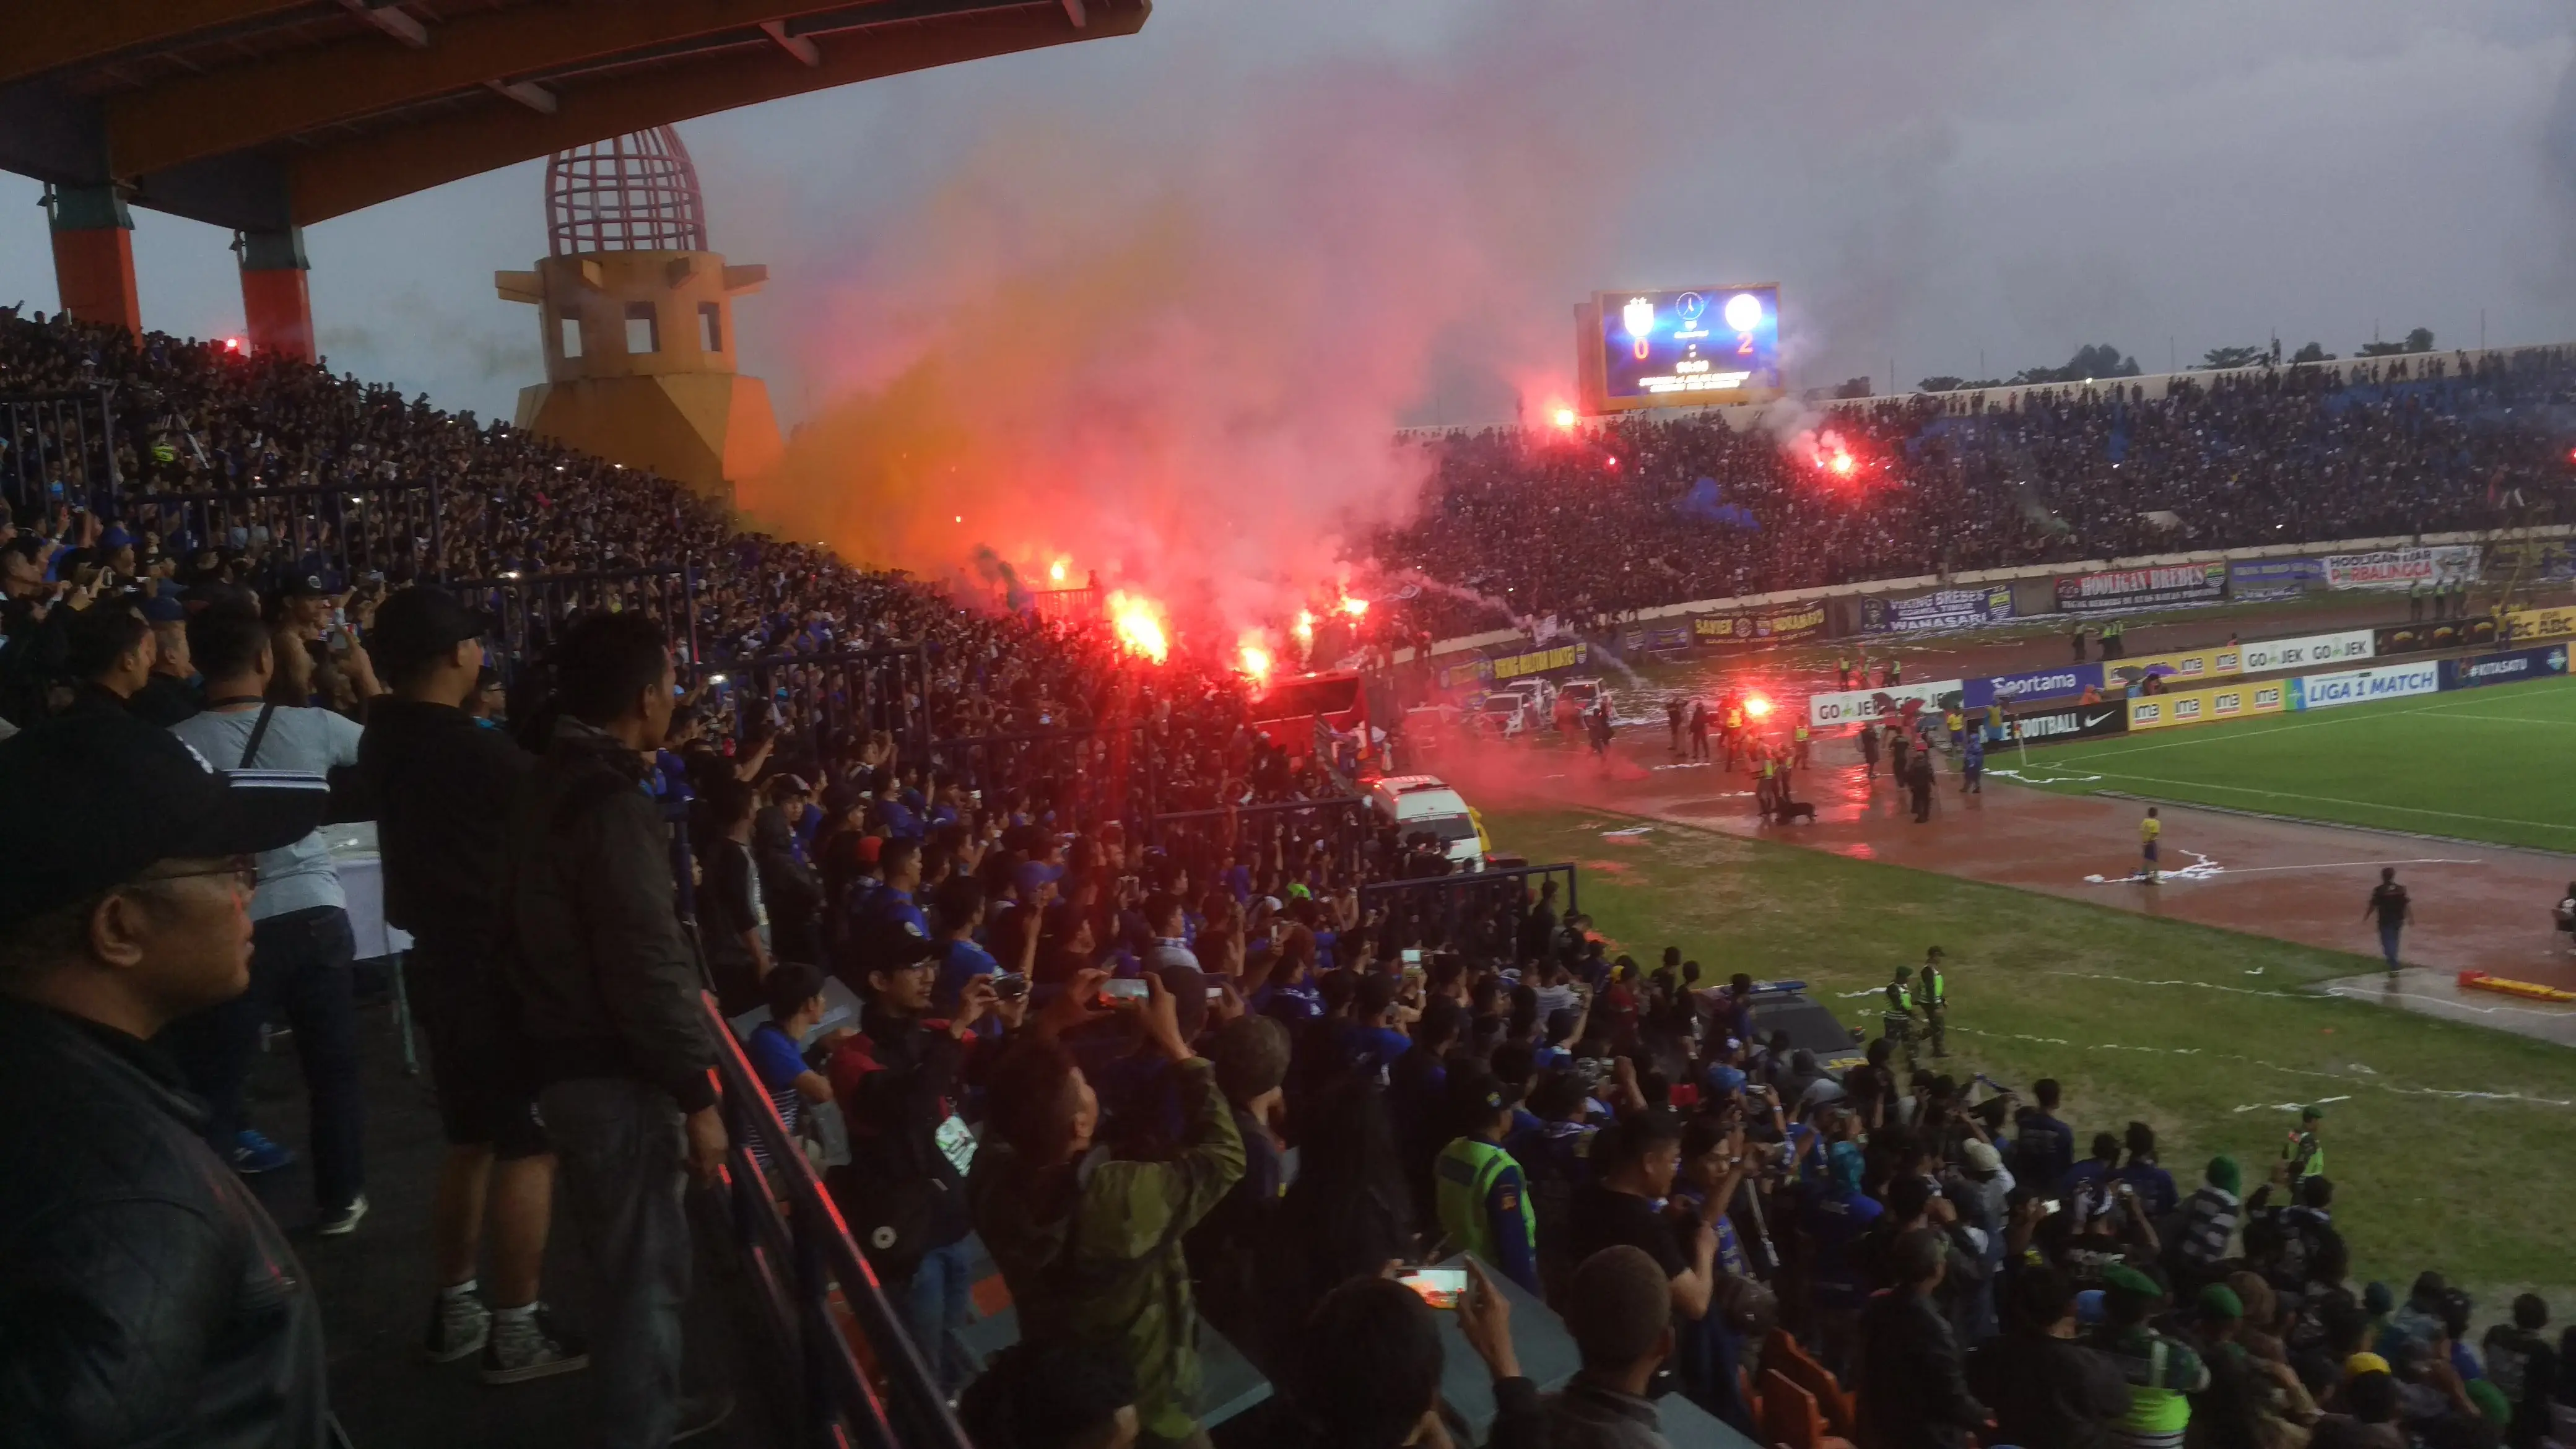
(1689, 348)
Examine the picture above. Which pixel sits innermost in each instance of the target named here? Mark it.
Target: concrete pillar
(94, 255)
(275, 304)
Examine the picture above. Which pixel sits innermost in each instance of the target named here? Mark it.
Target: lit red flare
(1255, 663)
(1757, 705)
(1140, 626)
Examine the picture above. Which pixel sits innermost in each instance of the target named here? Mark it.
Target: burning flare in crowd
(1256, 663)
(1305, 626)
(1140, 626)
(1353, 607)
(1056, 571)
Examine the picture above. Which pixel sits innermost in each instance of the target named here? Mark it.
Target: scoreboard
(1689, 348)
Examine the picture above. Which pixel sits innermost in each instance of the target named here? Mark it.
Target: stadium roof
(256, 114)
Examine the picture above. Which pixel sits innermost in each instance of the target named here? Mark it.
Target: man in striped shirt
(2209, 1218)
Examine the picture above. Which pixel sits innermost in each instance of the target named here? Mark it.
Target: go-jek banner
(2360, 686)
(1859, 706)
(2267, 656)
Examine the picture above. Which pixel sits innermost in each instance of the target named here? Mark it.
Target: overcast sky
(1930, 184)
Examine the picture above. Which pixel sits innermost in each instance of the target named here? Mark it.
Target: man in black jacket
(609, 994)
(443, 783)
(2045, 1387)
(1912, 1395)
(146, 1295)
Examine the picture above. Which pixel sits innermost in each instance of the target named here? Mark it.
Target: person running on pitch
(1896, 1023)
(2148, 830)
(1935, 999)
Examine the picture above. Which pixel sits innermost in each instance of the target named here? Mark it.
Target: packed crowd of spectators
(1615, 517)
(1238, 1066)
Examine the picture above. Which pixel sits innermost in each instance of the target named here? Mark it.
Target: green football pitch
(2482, 764)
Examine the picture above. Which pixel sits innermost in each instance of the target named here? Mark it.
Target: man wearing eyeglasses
(148, 1298)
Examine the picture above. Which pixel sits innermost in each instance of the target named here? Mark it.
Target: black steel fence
(534, 609)
(838, 699)
(1477, 911)
(338, 534)
(58, 450)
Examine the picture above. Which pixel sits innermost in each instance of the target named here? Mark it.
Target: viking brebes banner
(2142, 588)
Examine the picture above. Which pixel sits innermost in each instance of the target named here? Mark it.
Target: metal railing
(58, 449)
(1446, 909)
(799, 1257)
(533, 608)
(839, 694)
(337, 530)
(1087, 777)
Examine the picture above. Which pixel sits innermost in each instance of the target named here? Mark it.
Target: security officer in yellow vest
(1480, 1192)
(1896, 1023)
(1733, 737)
(1934, 997)
(1798, 743)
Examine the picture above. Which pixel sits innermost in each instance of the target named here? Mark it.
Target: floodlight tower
(637, 318)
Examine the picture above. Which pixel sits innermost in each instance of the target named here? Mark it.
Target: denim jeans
(617, 1145)
(299, 968)
(934, 1305)
(2388, 945)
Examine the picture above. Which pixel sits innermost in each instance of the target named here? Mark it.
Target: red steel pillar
(275, 304)
(94, 255)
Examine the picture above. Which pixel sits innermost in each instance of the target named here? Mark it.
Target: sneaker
(701, 1413)
(457, 1326)
(253, 1153)
(341, 1221)
(531, 1348)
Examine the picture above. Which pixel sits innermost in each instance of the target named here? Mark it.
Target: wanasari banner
(2402, 568)
(2541, 623)
(2207, 706)
(2075, 722)
(1854, 706)
(2432, 634)
(1760, 626)
(2510, 667)
(2252, 579)
(2184, 667)
(2142, 588)
(2036, 684)
(1940, 609)
(2360, 686)
(2270, 656)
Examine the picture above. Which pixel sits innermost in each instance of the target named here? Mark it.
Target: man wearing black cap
(147, 1296)
(443, 786)
(170, 694)
(608, 990)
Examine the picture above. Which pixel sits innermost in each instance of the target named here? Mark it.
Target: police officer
(1478, 1190)
(1896, 1023)
(1935, 999)
(1767, 788)
(1869, 761)
(1842, 671)
(1799, 743)
(2305, 1151)
(1734, 738)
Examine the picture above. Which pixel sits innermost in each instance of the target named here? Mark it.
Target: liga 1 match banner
(2162, 586)
(2541, 623)
(2036, 684)
(2075, 722)
(1858, 706)
(2209, 705)
(2360, 686)
(2402, 568)
(2433, 634)
(2267, 656)
(2252, 580)
(2510, 667)
(1940, 609)
(2186, 666)
(1784, 625)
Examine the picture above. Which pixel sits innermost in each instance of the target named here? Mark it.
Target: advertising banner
(2207, 706)
(2186, 667)
(1646, 638)
(1470, 673)
(1784, 625)
(2444, 634)
(2541, 623)
(1854, 706)
(1940, 609)
(2510, 667)
(2269, 656)
(2536, 558)
(2037, 684)
(2254, 579)
(2142, 588)
(2077, 722)
(2360, 686)
(2402, 568)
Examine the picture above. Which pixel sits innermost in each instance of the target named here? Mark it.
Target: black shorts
(484, 1097)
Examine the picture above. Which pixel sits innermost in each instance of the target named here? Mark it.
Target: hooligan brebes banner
(1858, 706)
(1940, 609)
(2204, 706)
(2142, 588)
(2268, 656)
(1760, 626)
(2402, 568)
(2359, 686)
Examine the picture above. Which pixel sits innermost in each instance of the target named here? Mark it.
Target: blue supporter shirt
(775, 1057)
(1370, 1050)
(959, 963)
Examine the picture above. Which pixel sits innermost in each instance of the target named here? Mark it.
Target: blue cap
(165, 609)
(2088, 1306)
(113, 537)
(1035, 873)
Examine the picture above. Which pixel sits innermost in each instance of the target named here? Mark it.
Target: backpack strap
(258, 732)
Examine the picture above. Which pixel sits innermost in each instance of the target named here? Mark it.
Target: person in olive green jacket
(1090, 1245)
